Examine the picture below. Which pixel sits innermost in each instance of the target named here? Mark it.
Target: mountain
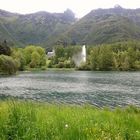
(105, 26)
(97, 27)
(37, 28)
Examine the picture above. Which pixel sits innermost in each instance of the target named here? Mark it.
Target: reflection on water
(97, 88)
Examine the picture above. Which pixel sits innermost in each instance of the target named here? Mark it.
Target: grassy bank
(20, 120)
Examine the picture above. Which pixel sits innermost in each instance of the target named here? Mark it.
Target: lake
(74, 87)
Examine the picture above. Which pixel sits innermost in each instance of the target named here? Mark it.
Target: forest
(121, 56)
(20, 59)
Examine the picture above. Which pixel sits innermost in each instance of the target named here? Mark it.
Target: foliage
(27, 120)
(7, 65)
(63, 57)
(84, 66)
(119, 56)
(4, 48)
(35, 60)
(29, 57)
(18, 56)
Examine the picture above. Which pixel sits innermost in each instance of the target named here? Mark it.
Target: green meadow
(27, 120)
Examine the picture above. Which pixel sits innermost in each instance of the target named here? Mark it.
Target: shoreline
(62, 69)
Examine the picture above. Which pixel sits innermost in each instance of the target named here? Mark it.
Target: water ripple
(97, 88)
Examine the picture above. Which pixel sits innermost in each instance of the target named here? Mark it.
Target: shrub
(7, 65)
(84, 66)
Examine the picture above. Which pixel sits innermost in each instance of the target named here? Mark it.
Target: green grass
(26, 120)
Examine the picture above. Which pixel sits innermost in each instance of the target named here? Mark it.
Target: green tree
(59, 52)
(105, 58)
(42, 53)
(94, 55)
(5, 49)
(132, 57)
(35, 56)
(7, 65)
(35, 60)
(124, 61)
(27, 53)
(18, 56)
(121, 61)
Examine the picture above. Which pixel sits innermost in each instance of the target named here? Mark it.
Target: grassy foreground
(22, 120)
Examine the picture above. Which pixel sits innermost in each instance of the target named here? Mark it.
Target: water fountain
(80, 57)
(83, 53)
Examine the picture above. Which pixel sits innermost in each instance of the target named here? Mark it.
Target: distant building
(51, 54)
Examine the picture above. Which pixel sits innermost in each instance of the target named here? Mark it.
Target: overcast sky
(79, 7)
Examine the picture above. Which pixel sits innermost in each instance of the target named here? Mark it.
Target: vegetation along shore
(121, 56)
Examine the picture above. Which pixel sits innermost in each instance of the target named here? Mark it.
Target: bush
(35, 56)
(60, 65)
(84, 66)
(7, 65)
(18, 56)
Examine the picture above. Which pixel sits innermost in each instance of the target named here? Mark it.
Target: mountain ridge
(97, 27)
(99, 24)
(33, 28)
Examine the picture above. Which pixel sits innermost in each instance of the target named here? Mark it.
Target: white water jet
(80, 57)
(84, 53)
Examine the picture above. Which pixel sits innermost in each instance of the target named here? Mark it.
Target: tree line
(14, 59)
(122, 56)
(63, 57)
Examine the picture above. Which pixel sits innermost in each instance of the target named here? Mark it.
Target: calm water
(78, 87)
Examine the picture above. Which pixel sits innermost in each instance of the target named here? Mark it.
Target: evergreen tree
(4, 49)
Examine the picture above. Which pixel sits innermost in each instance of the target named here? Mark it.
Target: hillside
(106, 26)
(45, 29)
(36, 28)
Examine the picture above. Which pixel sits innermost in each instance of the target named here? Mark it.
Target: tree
(18, 56)
(40, 50)
(132, 57)
(35, 56)
(94, 58)
(120, 61)
(73, 43)
(7, 65)
(4, 49)
(59, 52)
(42, 53)
(35, 60)
(105, 58)
(27, 53)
